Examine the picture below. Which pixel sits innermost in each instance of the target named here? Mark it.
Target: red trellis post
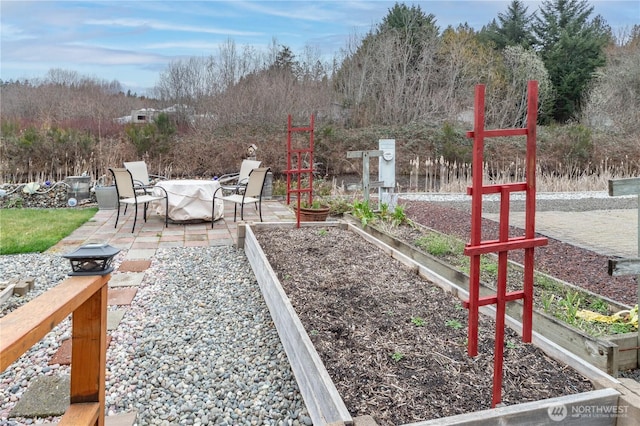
(476, 247)
(295, 166)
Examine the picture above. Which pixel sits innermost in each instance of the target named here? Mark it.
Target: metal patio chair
(141, 176)
(127, 194)
(252, 193)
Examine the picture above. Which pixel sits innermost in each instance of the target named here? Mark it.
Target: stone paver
(134, 266)
(63, 354)
(127, 279)
(140, 253)
(607, 232)
(121, 296)
(46, 396)
(114, 318)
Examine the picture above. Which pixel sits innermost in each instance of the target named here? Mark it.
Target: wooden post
(617, 187)
(85, 297)
(365, 155)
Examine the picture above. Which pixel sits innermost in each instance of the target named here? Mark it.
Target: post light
(92, 259)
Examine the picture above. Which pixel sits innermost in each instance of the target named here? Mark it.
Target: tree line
(405, 70)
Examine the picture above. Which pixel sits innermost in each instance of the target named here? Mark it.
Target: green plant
(36, 230)
(323, 232)
(417, 321)
(15, 203)
(397, 356)
(338, 205)
(439, 244)
(396, 217)
(571, 304)
(455, 324)
(488, 265)
(599, 305)
(511, 345)
(621, 328)
(547, 301)
(362, 211)
(315, 204)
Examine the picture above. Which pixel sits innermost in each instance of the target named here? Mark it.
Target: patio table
(189, 199)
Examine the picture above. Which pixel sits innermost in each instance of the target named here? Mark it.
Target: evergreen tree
(285, 61)
(572, 48)
(513, 28)
(412, 25)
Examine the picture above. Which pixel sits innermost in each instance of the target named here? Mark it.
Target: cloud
(79, 54)
(162, 26)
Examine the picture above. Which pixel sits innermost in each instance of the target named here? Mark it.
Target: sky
(133, 42)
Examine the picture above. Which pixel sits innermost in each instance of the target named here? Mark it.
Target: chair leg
(259, 205)
(117, 216)
(135, 217)
(235, 210)
(213, 210)
(166, 212)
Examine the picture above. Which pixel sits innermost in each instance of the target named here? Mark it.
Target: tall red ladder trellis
(295, 167)
(476, 247)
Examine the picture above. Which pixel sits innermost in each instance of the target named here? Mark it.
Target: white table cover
(189, 199)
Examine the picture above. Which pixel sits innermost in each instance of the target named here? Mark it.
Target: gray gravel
(197, 345)
(545, 201)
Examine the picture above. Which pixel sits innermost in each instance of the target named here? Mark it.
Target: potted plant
(316, 211)
(106, 195)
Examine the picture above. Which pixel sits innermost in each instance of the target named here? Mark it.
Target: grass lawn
(36, 230)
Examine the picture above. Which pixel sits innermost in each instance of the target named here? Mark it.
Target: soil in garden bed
(395, 344)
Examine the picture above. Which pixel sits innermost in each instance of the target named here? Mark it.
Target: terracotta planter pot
(313, 215)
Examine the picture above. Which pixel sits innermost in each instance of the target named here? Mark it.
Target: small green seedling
(417, 321)
(397, 356)
(455, 324)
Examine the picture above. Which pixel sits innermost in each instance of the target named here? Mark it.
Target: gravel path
(196, 346)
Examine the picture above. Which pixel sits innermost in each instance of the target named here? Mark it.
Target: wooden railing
(86, 298)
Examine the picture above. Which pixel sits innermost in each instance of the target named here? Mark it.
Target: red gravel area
(569, 263)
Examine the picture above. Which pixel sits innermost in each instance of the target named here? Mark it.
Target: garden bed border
(320, 395)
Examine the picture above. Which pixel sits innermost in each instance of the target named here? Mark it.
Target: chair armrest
(158, 177)
(230, 177)
(139, 186)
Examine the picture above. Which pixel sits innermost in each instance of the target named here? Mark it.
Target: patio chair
(251, 194)
(141, 177)
(127, 194)
(237, 181)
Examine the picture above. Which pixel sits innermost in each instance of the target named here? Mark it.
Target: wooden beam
(81, 414)
(629, 186)
(360, 154)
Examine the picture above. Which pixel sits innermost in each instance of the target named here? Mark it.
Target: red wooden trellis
(296, 168)
(476, 247)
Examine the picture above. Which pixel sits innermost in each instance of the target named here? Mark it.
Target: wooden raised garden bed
(324, 402)
(610, 353)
